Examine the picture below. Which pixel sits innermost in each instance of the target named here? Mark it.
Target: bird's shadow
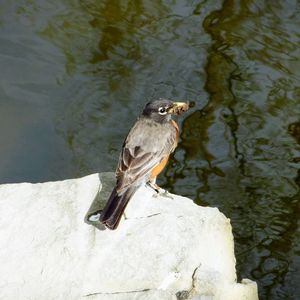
(107, 182)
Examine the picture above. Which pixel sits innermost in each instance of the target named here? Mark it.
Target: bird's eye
(162, 111)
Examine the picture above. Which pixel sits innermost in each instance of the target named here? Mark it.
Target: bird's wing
(144, 148)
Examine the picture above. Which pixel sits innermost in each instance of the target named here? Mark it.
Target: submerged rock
(164, 248)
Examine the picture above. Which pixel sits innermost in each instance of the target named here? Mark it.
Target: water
(75, 74)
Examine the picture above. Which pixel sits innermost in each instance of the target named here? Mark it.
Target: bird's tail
(115, 206)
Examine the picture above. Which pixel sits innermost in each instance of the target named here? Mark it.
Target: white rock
(165, 249)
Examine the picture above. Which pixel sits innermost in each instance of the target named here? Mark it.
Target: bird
(145, 153)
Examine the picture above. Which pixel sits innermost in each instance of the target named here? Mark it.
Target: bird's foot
(159, 191)
(164, 193)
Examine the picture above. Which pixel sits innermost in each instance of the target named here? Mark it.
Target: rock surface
(164, 249)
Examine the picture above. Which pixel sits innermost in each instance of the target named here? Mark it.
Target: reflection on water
(256, 101)
(91, 65)
(132, 52)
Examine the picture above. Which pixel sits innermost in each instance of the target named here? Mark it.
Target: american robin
(144, 155)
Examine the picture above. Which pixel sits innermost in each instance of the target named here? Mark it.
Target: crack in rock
(150, 216)
(193, 276)
(115, 293)
(183, 295)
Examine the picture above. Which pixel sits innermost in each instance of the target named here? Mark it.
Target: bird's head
(161, 110)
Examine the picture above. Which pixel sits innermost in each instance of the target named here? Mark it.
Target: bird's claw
(159, 191)
(164, 193)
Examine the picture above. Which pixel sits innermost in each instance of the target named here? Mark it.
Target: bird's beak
(178, 108)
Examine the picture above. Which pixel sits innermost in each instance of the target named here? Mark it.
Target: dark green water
(75, 74)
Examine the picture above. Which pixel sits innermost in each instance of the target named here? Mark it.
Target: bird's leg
(151, 183)
(160, 191)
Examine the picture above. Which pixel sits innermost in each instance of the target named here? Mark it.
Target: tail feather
(115, 206)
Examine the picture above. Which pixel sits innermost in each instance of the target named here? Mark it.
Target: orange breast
(158, 169)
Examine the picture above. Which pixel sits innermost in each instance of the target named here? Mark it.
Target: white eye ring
(162, 111)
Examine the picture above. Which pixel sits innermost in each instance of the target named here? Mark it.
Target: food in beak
(179, 107)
